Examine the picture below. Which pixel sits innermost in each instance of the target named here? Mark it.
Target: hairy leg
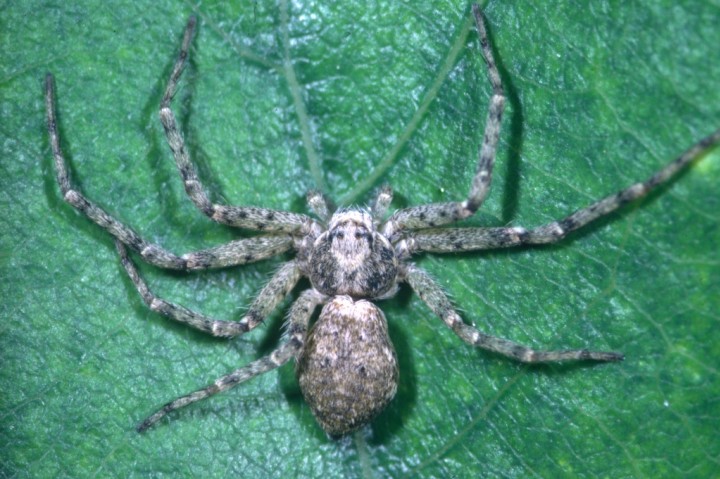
(234, 253)
(298, 320)
(279, 286)
(471, 239)
(261, 219)
(434, 297)
(438, 214)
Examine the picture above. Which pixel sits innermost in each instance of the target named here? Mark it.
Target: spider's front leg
(298, 320)
(435, 298)
(260, 219)
(446, 240)
(234, 253)
(437, 214)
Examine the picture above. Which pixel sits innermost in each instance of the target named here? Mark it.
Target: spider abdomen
(347, 369)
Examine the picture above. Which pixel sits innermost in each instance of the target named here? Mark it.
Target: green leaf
(600, 96)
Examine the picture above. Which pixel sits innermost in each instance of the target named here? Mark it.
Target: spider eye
(339, 234)
(359, 235)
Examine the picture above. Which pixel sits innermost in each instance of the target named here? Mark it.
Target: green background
(599, 96)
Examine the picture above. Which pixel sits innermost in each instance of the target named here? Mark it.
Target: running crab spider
(345, 363)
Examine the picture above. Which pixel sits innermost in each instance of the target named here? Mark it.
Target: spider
(345, 363)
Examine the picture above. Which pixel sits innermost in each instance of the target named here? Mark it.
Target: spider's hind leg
(300, 314)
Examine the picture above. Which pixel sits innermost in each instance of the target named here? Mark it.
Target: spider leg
(470, 239)
(262, 219)
(242, 251)
(437, 214)
(236, 252)
(300, 314)
(270, 296)
(434, 297)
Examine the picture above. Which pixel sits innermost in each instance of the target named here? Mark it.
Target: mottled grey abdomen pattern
(347, 369)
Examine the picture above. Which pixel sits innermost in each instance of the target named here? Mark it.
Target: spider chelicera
(345, 362)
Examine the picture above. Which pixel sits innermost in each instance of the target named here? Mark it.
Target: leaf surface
(599, 97)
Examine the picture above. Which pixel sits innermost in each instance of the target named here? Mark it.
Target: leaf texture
(280, 98)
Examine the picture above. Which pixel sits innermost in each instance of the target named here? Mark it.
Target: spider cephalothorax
(345, 362)
(352, 258)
